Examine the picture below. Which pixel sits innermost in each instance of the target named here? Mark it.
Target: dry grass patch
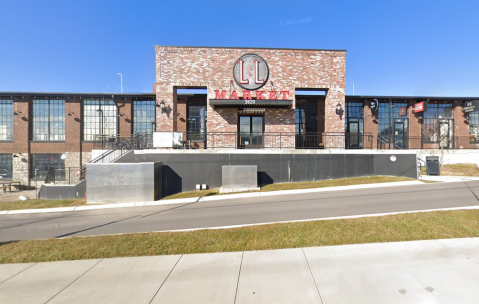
(401, 227)
(302, 185)
(40, 203)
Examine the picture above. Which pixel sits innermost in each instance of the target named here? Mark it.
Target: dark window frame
(196, 111)
(144, 116)
(6, 119)
(100, 106)
(58, 163)
(46, 113)
(6, 167)
(433, 116)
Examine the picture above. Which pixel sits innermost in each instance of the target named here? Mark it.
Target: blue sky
(419, 48)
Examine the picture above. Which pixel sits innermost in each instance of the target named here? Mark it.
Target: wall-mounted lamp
(339, 109)
(16, 155)
(17, 112)
(164, 108)
(121, 114)
(71, 113)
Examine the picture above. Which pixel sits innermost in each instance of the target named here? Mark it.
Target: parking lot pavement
(433, 271)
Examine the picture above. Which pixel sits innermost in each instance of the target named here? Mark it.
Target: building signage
(419, 107)
(251, 72)
(402, 111)
(374, 105)
(470, 106)
(273, 95)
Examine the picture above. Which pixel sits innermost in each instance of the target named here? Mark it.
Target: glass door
(251, 132)
(353, 140)
(399, 135)
(445, 133)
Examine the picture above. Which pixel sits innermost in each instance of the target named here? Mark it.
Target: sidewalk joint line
(154, 296)
(18, 273)
(239, 275)
(471, 191)
(74, 281)
(314, 280)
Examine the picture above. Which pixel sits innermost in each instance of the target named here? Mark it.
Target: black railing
(275, 140)
(68, 175)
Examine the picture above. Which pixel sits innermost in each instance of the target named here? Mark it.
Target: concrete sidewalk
(434, 271)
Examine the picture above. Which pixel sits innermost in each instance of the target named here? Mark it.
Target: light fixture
(339, 109)
(71, 113)
(121, 114)
(164, 108)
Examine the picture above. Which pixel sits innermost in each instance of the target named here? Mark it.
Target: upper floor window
(144, 116)
(99, 118)
(6, 119)
(49, 119)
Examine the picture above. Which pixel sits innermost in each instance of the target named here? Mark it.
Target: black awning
(251, 103)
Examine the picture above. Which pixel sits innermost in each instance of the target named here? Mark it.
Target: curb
(210, 198)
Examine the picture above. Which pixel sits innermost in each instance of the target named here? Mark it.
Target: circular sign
(393, 158)
(251, 72)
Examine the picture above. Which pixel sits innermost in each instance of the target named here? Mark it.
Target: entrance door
(399, 135)
(445, 133)
(251, 132)
(353, 135)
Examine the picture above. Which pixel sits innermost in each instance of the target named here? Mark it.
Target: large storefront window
(392, 125)
(474, 126)
(6, 166)
(49, 120)
(99, 119)
(196, 127)
(144, 116)
(354, 124)
(43, 163)
(6, 119)
(438, 125)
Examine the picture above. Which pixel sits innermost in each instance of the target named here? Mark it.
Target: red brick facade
(212, 68)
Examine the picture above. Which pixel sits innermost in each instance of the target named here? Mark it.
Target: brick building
(249, 98)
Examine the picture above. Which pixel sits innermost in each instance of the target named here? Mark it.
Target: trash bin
(432, 165)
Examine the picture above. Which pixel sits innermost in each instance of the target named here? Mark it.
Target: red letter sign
(246, 94)
(234, 95)
(272, 95)
(221, 95)
(285, 94)
(259, 95)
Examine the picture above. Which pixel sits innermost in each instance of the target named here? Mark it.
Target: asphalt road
(239, 211)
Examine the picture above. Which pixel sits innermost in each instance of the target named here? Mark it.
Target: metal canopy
(254, 103)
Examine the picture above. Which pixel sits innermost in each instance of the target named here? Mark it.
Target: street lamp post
(121, 82)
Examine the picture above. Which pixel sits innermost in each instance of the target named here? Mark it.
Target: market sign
(419, 107)
(402, 111)
(470, 106)
(251, 72)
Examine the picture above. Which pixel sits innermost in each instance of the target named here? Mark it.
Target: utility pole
(121, 82)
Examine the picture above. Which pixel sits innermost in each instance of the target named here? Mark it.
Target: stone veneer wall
(211, 68)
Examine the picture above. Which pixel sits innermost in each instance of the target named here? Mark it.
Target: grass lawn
(455, 170)
(303, 185)
(401, 227)
(40, 203)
